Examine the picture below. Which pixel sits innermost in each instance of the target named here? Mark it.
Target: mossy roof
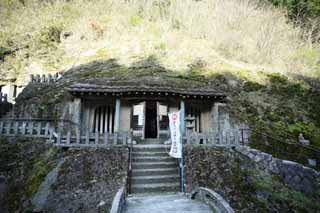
(155, 84)
(110, 77)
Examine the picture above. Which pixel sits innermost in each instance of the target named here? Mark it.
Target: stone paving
(164, 203)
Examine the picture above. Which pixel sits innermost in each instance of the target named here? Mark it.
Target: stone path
(164, 203)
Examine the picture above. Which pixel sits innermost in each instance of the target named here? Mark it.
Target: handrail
(213, 199)
(129, 175)
(118, 201)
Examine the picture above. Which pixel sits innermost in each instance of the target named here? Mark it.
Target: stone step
(155, 187)
(149, 172)
(146, 165)
(164, 203)
(137, 154)
(155, 179)
(153, 159)
(151, 141)
(151, 148)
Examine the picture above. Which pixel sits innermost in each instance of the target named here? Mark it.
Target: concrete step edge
(155, 177)
(156, 185)
(153, 163)
(155, 170)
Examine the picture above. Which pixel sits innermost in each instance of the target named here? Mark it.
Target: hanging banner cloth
(176, 146)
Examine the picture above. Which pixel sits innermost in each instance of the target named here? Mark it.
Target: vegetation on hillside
(49, 36)
(268, 65)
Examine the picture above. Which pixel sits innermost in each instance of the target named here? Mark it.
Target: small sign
(176, 146)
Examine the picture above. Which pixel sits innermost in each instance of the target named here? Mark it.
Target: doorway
(151, 128)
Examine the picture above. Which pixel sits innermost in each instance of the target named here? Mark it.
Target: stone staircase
(153, 170)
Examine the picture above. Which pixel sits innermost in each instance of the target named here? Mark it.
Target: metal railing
(129, 171)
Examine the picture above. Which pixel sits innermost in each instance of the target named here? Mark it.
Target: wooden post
(16, 126)
(50, 133)
(69, 137)
(96, 138)
(59, 138)
(87, 137)
(23, 128)
(105, 138)
(117, 115)
(46, 129)
(8, 128)
(115, 138)
(124, 138)
(77, 118)
(39, 128)
(30, 128)
(1, 127)
(182, 128)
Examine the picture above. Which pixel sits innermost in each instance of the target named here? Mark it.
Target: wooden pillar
(77, 118)
(182, 129)
(117, 116)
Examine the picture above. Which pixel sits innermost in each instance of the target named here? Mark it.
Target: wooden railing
(90, 139)
(25, 127)
(44, 78)
(60, 132)
(223, 138)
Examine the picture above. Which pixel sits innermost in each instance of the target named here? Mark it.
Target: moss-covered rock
(24, 164)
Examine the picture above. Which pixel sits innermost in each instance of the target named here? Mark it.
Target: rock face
(252, 181)
(23, 165)
(87, 179)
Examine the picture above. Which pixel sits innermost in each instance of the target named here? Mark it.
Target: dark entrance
(151, 120)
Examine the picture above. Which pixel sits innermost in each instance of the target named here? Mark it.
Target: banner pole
(182, 123)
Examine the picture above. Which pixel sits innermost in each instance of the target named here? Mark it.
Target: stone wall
(252, 181)
(88, 180)
(294, 174)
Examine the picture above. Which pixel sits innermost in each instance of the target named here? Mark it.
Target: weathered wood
(59, 138)
(38, 128)
(117, 115)
(96, 138)
(106, 138)
(1, 127)
(16, 128)
(87, 140)
(46, 128)
(69, 137)
(50, 133)
(30, 128)
(115, 138)
(78, 136)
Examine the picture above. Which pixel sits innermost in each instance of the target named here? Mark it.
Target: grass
(243, 35)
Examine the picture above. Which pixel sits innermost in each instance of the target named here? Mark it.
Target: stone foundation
(294, 174)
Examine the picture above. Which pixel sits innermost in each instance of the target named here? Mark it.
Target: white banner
(176, 146)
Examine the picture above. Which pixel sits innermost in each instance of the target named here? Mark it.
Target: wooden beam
(117, 115)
